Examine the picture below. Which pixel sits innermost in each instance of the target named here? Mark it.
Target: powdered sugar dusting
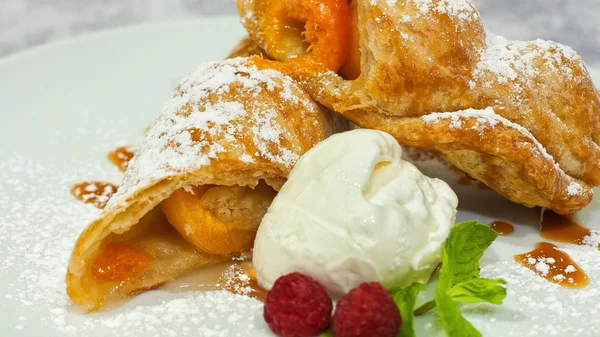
(177, 141)
(236, 279)
(519, 61)
(574, 189)
(218, 314)
(460, 9)
(487, 119)
(39, 221)
(592, 240)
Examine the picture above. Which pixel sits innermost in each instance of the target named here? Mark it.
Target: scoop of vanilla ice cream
(354, 211)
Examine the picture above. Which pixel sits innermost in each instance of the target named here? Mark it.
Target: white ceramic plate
(65, 105)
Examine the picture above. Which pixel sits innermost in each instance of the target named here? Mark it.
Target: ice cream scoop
(354, 211)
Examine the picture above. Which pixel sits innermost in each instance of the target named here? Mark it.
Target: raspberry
(297, 306)
(366, 311)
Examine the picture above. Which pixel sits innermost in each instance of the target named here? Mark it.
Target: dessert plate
(67, 104)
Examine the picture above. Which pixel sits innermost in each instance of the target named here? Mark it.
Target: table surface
(26, 23)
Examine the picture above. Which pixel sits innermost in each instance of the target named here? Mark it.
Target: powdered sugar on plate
(532, 300)
(215, 313)
(39, 221)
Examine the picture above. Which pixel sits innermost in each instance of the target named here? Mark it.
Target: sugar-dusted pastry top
(182, 140)
(510, 59)
(463, 10)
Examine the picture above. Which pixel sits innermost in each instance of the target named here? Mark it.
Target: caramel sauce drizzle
(94, 192)
(553, 264)
(121, 157)
(502, 227)
(562, 228)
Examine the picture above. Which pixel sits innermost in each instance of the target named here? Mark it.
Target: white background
(25, 23)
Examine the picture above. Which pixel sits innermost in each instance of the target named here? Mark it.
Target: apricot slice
(119, 261)
(220, 220)
(351, 68)
(326, 31)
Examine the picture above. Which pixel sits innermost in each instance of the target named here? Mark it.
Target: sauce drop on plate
(562, 228)
(121, 156)
(502, 227)
(233, 276)
(553, 264)
(94, 192)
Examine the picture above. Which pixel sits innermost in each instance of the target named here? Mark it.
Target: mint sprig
(479, 290)
(405, 300)
(459, 282)
(462, 251)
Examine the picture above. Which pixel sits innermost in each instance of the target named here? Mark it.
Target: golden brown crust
(420, 58)
(229, 123)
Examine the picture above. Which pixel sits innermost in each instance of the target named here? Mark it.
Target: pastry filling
(119, 261)
(220, 220)
(307, 32)
(350, 70)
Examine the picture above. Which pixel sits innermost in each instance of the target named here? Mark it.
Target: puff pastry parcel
(196, 190)
(522, 117)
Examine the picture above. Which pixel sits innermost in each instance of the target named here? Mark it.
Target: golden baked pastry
(225, 142)
(522, 117)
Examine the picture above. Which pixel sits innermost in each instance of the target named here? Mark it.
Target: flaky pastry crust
(522, 117)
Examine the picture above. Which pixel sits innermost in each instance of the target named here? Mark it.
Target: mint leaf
(328, 333)
(462, 251)
(479, 290)
(452, 320)
(459, 275)
(405, 300)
